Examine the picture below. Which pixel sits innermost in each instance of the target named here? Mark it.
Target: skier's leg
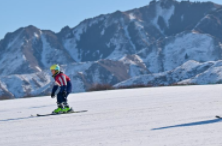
(59, 104)
(60, 100)
(65, 101)
(66, 107)
(65, 104)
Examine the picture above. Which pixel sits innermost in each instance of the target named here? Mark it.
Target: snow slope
(167, 116)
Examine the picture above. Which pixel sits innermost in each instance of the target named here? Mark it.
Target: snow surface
(16, 60)
(191, 72)
(70, 46)
(167, 116)
(188, 44)
(131, 16)
(118, 51)
(165, 13)
(125, 28)
(36, 35)
(47, 54)
(196, 46)
(79, 30)
(21, 85)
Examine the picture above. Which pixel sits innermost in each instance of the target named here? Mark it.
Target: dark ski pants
(61, 99)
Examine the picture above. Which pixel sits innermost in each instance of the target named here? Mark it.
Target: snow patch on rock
(165, 13)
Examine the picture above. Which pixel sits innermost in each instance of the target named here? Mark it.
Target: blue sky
(55, 14)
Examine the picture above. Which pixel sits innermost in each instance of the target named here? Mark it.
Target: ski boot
(66, 108)
(58, 110)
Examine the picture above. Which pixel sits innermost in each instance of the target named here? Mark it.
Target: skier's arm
(55, 90)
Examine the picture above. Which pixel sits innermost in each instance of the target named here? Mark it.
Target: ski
(219, 117)
(71, 112)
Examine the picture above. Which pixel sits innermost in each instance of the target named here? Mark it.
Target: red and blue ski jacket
(62, 83)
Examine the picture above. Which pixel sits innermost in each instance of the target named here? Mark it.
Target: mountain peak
(31, 27)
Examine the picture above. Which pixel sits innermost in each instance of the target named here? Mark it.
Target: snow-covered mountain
(83, 75)
(191, 72)
(112, 48)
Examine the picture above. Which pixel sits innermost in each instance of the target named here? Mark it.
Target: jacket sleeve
(56, 89)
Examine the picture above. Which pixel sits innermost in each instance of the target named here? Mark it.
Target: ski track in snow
(166, 116)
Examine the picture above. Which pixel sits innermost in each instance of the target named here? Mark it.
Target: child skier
(62, 88)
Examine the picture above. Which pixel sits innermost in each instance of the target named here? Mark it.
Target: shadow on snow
(190, 124)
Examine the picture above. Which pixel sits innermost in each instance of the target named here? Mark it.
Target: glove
(53, 95)
(64, 93)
